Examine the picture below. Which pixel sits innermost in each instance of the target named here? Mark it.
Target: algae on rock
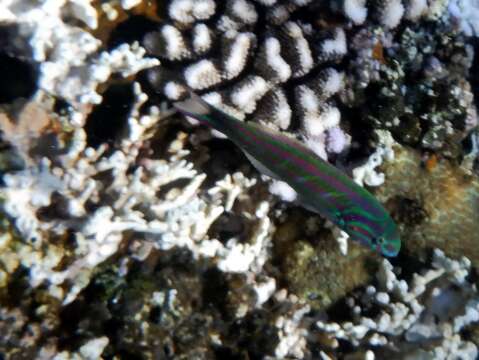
(446, 195)
(313, 267)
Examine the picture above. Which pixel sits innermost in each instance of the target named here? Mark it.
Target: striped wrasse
(320, 186)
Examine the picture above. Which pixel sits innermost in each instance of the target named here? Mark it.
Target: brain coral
(301, 66)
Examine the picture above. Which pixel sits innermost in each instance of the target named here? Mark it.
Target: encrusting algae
(448, 198)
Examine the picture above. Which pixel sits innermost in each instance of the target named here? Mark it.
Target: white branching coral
(366, 174)
(467, 12)
(237, 257)
(391, 13)
(292, 328)
(25, 192)
(144, 194)
(436, 304)
(230, 187)
(48, 33)
(78, 84)
(99, 234)
(356, 10)
(416, 9)
(180, 219)
(283, 190)
(71, 67)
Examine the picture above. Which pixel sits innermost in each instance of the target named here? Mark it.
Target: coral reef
(418, 88)
(128, 232)
(294, 74)
(437, 204)
(307, 265)
(420, 319)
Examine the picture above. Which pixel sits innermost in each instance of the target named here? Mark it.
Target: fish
(320, 186)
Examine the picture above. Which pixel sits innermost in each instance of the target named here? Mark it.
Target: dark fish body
(320, 186)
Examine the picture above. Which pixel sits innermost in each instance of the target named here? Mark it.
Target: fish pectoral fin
(260, 167)
(301, 202)
(327, 206)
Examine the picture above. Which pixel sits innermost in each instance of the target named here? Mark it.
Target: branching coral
(82, 180)
(436, 305)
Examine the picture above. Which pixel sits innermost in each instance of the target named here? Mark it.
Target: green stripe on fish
(320, 186)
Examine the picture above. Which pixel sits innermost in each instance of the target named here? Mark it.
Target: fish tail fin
(197, 108)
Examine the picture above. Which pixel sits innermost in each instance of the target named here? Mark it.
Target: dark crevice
(19, 78)
(108, 119)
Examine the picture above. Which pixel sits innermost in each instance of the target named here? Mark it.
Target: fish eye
(378, 240)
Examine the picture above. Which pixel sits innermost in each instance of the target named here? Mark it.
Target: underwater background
(128, 231)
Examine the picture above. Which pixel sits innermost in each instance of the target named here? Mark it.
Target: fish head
(389, 242)
(381, 236)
